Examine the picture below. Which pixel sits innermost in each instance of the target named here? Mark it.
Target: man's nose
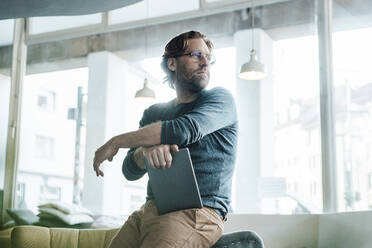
(204, 60)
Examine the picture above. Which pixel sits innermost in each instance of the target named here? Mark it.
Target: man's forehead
(196, 44)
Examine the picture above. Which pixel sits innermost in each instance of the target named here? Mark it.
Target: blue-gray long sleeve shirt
(208, 126)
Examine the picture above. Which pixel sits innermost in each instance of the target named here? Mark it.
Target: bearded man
(205, 122)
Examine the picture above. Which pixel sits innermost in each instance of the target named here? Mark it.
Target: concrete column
(105, 118)
(255, 113)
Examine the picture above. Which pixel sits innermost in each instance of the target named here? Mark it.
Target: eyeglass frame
(211, 60)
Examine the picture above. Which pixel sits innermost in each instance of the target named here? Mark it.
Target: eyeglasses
(198, 56)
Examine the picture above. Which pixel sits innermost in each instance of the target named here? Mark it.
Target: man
(205, 121)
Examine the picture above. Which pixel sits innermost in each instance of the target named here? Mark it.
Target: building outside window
(46, 100)
(50, 194)
(44, 147)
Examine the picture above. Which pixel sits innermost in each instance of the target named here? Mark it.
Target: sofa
(43, 237)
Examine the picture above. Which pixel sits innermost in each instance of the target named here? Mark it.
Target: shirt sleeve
(129, 168)
(213, 111)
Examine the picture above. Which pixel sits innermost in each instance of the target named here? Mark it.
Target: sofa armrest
(43, 237)
(5, 238)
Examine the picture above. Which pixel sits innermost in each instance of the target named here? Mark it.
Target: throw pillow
(22, 216)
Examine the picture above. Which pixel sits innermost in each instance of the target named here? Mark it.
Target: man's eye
(196, 55)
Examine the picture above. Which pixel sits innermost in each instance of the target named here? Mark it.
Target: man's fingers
(175, 148)
(151, 161)
(161, 158)
(168, 159)
(156, 160)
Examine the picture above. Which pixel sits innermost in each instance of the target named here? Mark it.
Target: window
(136, 201)
(20, 195)
(156, 8)
(4, 115)
(47, 24)
(353, 105)
(44, 147)
(49, 193)
(280, 116)
(47, 159)
(46, 100)
(297, 134)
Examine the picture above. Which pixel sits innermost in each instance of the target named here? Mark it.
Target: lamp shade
(145, 92)
(252, 70)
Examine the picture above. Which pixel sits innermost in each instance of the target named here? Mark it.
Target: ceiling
(50, 15)
(10, 9)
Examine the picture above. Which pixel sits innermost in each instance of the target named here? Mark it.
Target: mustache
(202, 70)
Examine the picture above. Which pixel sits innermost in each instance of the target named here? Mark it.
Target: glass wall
(297, 147)
(288, 170)
(52, 138)
(6, 40)
(280, 159)
(352, 51)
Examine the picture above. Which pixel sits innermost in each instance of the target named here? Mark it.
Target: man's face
(192, 74)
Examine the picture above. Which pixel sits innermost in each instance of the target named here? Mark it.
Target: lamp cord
(146, 30)
(252, 13)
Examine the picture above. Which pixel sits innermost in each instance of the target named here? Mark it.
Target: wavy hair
(177, 46)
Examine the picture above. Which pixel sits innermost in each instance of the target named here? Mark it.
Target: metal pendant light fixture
(254, 69)
(145, 92)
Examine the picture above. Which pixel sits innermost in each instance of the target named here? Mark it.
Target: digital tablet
(175, 188)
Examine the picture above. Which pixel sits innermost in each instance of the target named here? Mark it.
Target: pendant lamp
(145, 92)
(253, 69)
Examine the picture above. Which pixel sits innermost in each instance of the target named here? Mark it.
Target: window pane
(6, 39)
(48, 138)
(297, 147)
(7, 30)
(156, 8)
(278, 166)
(353, 104)
(56, 23)
(4, 116)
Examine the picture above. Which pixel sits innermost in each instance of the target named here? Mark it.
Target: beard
(192, 81)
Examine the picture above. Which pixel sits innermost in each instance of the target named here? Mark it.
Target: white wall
(340, 230)
(278, 231)
(346, 230)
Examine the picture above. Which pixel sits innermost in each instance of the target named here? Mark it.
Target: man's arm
(215, 110)
(143, 137)
(147, 139)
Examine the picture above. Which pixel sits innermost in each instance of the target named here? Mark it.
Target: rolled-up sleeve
(212, 112)
(129, 168)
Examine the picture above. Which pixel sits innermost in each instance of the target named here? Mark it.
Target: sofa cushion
(70, 219)
(30, 237)
(67, 208)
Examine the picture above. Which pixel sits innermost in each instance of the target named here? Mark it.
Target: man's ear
(172, 64)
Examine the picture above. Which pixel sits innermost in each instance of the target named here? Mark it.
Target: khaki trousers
(186, 228)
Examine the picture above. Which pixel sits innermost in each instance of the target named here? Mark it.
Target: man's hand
(159, 156)
(107, 151)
